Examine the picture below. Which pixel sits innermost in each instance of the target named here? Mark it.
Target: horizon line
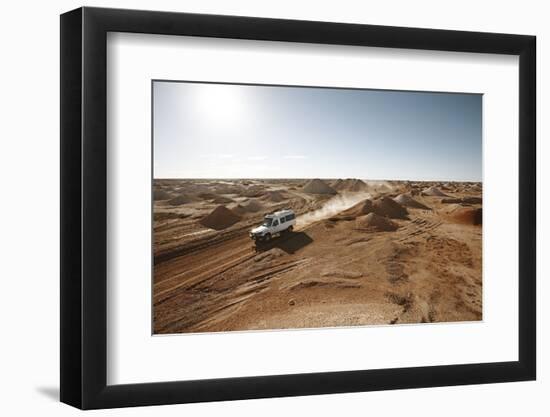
(311, 178)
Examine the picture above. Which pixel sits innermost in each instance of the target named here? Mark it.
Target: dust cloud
(332, 207)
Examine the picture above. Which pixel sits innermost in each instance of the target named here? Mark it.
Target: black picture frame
(84, 207)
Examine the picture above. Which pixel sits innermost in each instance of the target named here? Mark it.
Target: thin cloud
(217, 156)
(257, 158)
(295, 157)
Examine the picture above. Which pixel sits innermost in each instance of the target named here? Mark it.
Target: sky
(205, 130)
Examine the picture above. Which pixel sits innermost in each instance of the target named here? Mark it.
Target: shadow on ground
(289, 243)
(50, 392)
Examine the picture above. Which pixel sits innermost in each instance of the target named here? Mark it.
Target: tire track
(197, 279)
(416, 228)
(220, 306)
(184, 265)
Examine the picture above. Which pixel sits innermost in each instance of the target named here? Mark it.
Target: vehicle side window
(283, 219)
(275, 223)
(291, 217)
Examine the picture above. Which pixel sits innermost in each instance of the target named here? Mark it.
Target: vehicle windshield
(267, 222)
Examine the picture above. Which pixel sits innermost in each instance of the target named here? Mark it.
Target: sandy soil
(411, 254)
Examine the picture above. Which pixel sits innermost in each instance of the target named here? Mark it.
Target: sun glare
(221, 105)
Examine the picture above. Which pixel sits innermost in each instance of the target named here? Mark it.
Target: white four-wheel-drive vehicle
(274, 224)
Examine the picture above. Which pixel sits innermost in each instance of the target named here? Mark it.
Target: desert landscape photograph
(279, 207)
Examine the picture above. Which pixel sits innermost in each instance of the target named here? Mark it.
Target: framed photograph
(258, 208)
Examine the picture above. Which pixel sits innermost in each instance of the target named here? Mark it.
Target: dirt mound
(451, 200)
(434, 192)
(382, 188)
(336, 184)
(473, 200)
(215, 198)
(387, 207)
(415, 191)
(357, 185)
(253, 191)
(228, 189)
(168, 215)
(180, 199)
(207, 196)
(374, 222)
(407, 201)
(350, 184)
(161, 195)
(318, 186)
(475, 187)
(274, 196)
(464, 200)
(383, 206)
(239, 210)
(220, 218)
(359, 209)
(251, 206)
(220, 199)
(467, 215)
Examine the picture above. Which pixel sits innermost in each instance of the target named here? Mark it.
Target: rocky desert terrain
(362, 253)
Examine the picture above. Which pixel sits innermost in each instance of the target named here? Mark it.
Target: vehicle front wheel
(267, 237)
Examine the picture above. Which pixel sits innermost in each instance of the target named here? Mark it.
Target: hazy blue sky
(240, 131)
